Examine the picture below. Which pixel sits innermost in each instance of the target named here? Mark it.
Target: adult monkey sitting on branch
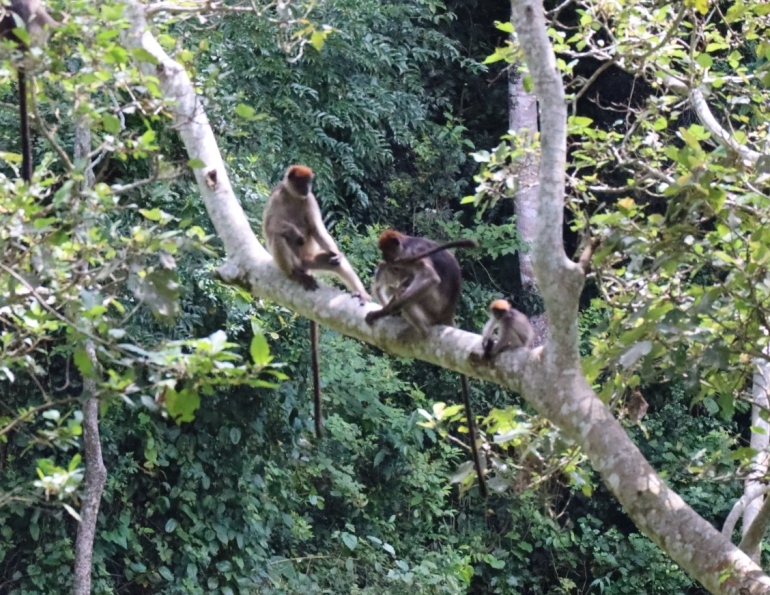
(299, 243)
(420, 280)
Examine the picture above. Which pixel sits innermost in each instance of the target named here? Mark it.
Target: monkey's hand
(372, 317)
(333, 259)
(307, 281)
(488, 346)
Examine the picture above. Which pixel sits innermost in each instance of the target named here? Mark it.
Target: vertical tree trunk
(96, 473)
(522, 115)
(754, 526)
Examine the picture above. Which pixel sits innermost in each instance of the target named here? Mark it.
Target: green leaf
(112, 12)
(152, 214)
(350, 540)
(171, 525)
(505, 26)
(83, 362)
(317, 40)
(260, 350)
(704, 60)
(73, 464)
(41, 223)
(492, 58)
(245, 111)
(235, 435)
(182, 405)
(143, 55)
(110, 124)
(116, 55)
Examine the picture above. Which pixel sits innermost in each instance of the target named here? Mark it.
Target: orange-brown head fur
(499, 307)
(299, 178)
(390, 244)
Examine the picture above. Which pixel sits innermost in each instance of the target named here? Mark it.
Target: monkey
(297, 239)
(389, 278)
(513, 329)
(420, 280)
(417, 277)
(37, 21)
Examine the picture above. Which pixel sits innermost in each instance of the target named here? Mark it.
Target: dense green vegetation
(387, 102)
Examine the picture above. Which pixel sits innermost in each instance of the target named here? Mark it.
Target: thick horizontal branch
(445, 346)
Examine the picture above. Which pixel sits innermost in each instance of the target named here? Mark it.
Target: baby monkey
(507, 328)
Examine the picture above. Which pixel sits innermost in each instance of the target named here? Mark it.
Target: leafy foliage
(213, 484)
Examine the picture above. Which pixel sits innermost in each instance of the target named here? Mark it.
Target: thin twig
(44, 129)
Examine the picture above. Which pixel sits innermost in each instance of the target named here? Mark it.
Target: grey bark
(522, 116)
(756, 514)
(96, 473)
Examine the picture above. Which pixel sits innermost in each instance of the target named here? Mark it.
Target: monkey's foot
(362, 297)
(478, 359)
(307, 281)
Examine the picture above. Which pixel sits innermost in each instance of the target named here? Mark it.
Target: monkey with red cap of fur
(420, 280)
(296, 235)
(507, 328)
(297, 238)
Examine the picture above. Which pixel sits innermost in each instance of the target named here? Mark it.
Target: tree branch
(756, 531)
(559, 279)
(706, 116)
(96, 473)
(737, 510)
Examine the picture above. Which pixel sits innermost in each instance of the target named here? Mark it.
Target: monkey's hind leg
(473, 437)
(285, 258)
(316, 379)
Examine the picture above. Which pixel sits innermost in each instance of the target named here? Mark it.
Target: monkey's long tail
(446, 246)
(319, 422)
(473, 436)
(26, 149)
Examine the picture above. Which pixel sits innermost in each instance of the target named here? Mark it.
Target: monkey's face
(301, 184)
